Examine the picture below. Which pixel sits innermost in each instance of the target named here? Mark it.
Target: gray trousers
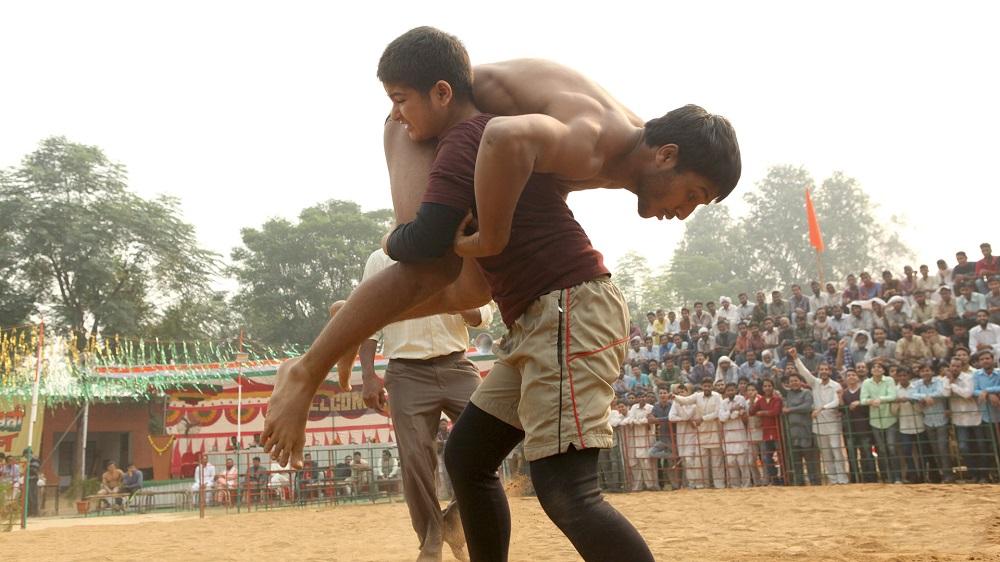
(419, 391)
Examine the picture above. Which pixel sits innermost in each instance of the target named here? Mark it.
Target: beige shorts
(555, 367)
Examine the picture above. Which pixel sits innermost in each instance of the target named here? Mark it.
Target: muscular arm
(512, 149)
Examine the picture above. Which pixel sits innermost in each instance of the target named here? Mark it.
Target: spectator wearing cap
(923, 311)
(727, 311)
(896, 316)
(860, 344)
(985, 336)
(931, 394)
(727, 372)
(993, 300)
(969, 303)
(635, 349)
(943, 275)
(778, 308)
(745, 309)
(705, 343)
(910, 348)
(947, 311)
(798, 300)
(986, 268)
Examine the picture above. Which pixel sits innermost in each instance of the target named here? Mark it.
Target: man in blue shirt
(132, 481)
(930, 392)
(986, 387)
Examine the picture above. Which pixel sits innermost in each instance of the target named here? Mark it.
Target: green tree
(631, 274)
(290, 273)
(769, 246)
(17, 295)
(94, 250)
(196, 317)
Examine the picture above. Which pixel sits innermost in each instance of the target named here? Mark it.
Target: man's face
(861, 340)
(852, 280)
(685, 313)
(983, 318)
(664, 396)
(723, 327)
(760, 298)
(660, 315)
(256, 462)
(417, 111)
(711, 306)
(830, 288)
(112, 467)
(815, 287)
(671, 316)
(636, 345)
(866, 278)
(664, 193)
(907, 331)
(229, 463)
(204, 459)
(921, 298)
(650, 317)
(797, 292)
(783, 322)
(995, 286)
(824, 371)
(649, 342)
(706, 387)
(776, 296)
(856, 310)
(987, 251)
(962, 258)
(697, 308)
(924, 271)
(636, 372)
(795, 383)
(821, 315)
(966, 291)
(879, 335)
(743, 330)
(768, 323)
(743, 299)
(986, 361)
(730, 392)
(751, 357)
(946, 295)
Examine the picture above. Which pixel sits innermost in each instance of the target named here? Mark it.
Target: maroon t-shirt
(548, 250)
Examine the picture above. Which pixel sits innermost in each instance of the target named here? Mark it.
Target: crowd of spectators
(867, 381)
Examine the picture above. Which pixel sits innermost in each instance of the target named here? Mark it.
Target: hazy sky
(247, 110)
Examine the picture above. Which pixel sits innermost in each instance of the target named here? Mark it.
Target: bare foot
(287, 410)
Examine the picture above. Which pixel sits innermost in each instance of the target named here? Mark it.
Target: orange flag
(815, 236)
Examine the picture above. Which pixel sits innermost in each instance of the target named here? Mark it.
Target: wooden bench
(108, 502)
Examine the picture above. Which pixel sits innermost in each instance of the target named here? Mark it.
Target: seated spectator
(964, 271)
(809, 357)
(859, 347)
(632, 375)
(947, 311)
(759, 312)
(388, 471)
(986, 268)
(922, 312)
(985, 336)
(817, 299)
(859, 320)
(685, 374)
(308, 476)
(653, 368)
(890, 286)
(672, 325)
(993, 300)
(132, 480)
(851, 292)
(911, 348)
(650, 324)
(757, 343)
(868, 289)
(670, 374)
(798, 300)
(751, 369)
(727, 312)
(943, 275)
(925, 282)
(881, 348)
(256, 480)
(620, 386)
(960, 333)
(937, 345)
(778, 308)
(705, 342)
(821, 328)
(279, 481)
(700, 319)
(727, 372)
(839, 323)
(635, 348)
(908, 283)
(648, 351)
(342, 472)
(896, 316)
(725, 341)
(745, 309)
(204, 478)
(225, 481)
(770, 334)
(969, 303)
(802, 332)
(702, 370)
(685, 321)
(361, 472)
(111, 483)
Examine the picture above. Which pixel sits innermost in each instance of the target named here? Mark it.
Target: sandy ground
(829, 523)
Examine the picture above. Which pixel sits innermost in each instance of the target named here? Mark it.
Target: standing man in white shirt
(204, 478)
(428, 374)
(826, 418)
(734, 434)
(965, 413)
(640, 436)
(683, 414)
(706, 419)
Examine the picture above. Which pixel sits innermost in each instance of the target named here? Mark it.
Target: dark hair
(424, 55)
(706, 142)
(256, 459)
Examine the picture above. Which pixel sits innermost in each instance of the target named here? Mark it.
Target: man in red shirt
(768, 407)
(986, 268)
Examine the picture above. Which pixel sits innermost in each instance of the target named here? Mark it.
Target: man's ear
(441, 93)
(666, 156)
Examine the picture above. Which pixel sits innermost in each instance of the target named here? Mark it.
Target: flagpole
(26, 489)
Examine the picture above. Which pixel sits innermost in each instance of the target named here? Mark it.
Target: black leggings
(566, 485)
